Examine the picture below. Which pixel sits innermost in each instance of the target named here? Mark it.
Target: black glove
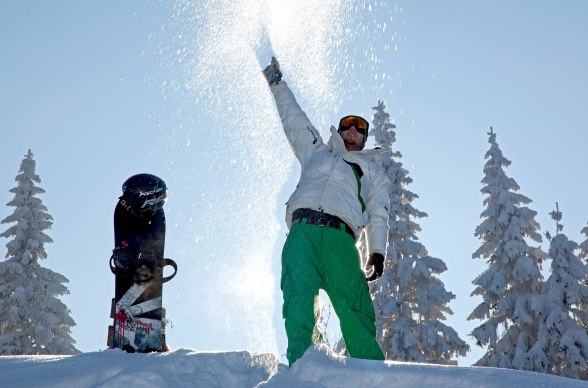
(376, 261)
(272, 72)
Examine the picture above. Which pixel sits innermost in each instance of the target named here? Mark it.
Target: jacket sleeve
(378, 208)
(301, 134)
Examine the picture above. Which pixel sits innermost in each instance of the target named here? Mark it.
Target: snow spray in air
(229, 165)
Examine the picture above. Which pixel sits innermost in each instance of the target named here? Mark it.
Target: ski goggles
(360, 124)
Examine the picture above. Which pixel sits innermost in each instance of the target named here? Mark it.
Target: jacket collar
(337, 145)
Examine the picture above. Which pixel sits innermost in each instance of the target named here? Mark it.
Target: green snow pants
(320, 257)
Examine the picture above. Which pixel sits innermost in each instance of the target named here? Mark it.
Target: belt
(314, 217)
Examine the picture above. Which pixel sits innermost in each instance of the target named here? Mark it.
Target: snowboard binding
(141, 268)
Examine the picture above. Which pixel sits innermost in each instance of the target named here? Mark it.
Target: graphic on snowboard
(137, 263)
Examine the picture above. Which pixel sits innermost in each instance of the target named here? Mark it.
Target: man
(341, 191)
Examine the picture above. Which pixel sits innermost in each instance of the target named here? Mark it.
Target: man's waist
(314, 217)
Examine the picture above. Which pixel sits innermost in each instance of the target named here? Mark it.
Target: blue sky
(101, 91)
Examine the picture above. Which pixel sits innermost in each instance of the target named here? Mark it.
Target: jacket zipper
(333, 164)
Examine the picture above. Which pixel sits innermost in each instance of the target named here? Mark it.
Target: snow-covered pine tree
(322, 313)
(410, 300)
(584, 245)
(562, 346)
(32, 318)
(511, 284)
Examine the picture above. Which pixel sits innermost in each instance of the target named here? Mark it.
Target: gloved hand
(272, 72)
(376, 261)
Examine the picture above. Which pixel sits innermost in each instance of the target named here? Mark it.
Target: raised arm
(301, 134)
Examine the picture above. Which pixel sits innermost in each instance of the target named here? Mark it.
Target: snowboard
(138, 264)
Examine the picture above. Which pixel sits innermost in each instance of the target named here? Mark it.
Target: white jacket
(328, 181)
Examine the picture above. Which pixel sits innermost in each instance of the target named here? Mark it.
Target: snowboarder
(342, 190)
(137, 263)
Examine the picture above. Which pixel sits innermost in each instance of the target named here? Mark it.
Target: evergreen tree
(410, 300)
(32, 318)
(562, 346)
(511, 285)
(584, 245)
(322, 313)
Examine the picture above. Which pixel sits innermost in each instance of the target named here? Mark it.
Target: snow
(191, 368)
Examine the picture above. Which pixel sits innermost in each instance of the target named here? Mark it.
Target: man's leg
(300, 284)
(347, 287)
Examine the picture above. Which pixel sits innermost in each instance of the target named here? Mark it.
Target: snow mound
(190, 368)
(115, 368)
